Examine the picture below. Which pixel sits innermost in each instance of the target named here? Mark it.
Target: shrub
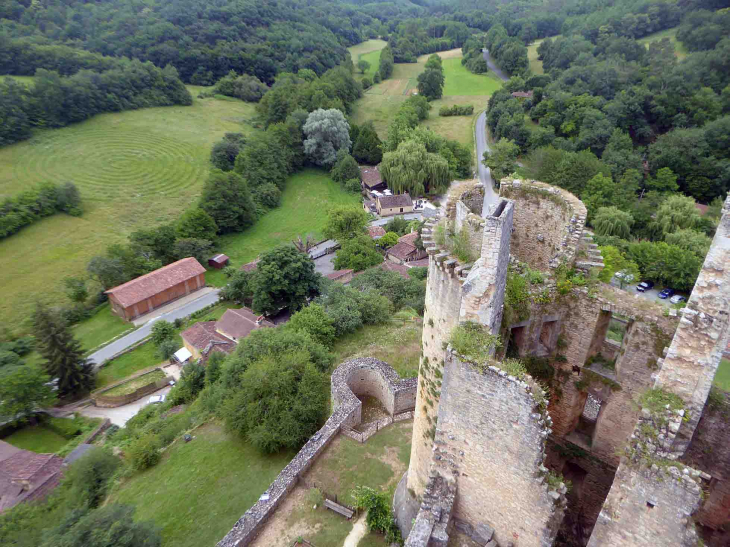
(144, 452)
(380, 515)
(88, 477)
(353, 185)
(162, 330)
(268, 195)
(377, 78)
(167, 349)
(418, 273)
(473, 341)
(314, 320)
(366, 83)
(192, 381)
(457, 110)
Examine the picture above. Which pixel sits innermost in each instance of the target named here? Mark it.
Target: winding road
(480, 137)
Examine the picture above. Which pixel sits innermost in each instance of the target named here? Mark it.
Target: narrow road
(110, 350)
(494, 68)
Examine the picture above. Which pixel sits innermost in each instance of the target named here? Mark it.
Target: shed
(219, 261)
(371, 179)
(182, 355)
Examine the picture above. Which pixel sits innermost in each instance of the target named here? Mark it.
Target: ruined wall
(491, 435)
(548, 223)
(703, 333)
(652, 498)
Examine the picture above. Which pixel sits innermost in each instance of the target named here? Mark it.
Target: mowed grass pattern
(134, 169)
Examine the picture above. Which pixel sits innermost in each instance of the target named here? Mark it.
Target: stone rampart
(703, 332)
(653, 497)
(548, 223)
(491, 435)
(347, 411)
(432, 522)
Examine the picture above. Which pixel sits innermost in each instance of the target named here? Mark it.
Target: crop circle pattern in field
(109, 164)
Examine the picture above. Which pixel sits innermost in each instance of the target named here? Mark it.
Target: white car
(157, 399)
(676, 299)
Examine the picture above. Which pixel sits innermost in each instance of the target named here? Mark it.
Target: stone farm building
(205, 337)
(371, 179)
(394, 205)
(405, 250)
(155, 289)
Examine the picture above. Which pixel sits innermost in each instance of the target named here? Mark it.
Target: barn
(157, 288)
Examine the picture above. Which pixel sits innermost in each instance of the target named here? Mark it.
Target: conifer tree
(64, 357)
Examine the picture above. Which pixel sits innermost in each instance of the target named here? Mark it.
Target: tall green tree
(363, 66)
(677, 212)
(327, 132)
(410, 168)
(224, 153)
(357, 253)
(344, 223)
(24, 389)
(284, 278)
(345, 168)
(368, 146)
(611, 221)
(227, 199)
(386, 63)
(196, 223)
(502, 160)
(431, 83)
(62, 353)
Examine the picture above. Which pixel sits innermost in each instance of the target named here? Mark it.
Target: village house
(371, 179)
(376, 232)
(25, 475)
(155, 289)
(205, 337)
(369, 206)
(341, 276)
(522, 94)
(405, 250)
(394, 205)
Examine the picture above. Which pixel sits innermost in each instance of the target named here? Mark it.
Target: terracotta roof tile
(409, 238)
(401, 200)
(402, 250)
(200, 335)
(153, 283)
(238, 323)
(393, 267)
(422, 263)
(337, 274)
(376, 231)
(370, 176)
(24, 465)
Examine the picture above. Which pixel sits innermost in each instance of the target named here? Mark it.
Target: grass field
(380, 103)
(100, 328)
(369, 51)
(722, 376)
(305, 202)
(27, 80)
(679, 50)
(37, 439)
(535, 63)
(199, 489)
(134, 169)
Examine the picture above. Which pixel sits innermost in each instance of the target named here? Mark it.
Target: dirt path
(359, 529)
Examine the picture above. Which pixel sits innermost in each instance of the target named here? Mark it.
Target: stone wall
(653, 498)
(548, 223)
(347, 410)
(491, 435)
(433, 520)
(703, 333)
(111, 401)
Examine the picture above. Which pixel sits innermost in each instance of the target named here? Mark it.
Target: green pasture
(679, 50)
(201, 488)
(134, 169)
(535, 63)
(369, 51)
(459, 81)
(37, 438)
(100, 328)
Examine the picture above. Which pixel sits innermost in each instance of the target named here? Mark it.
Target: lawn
(399, 345)
(679, 50)
(381, 103)
(27, 80)
(37, 439)
(369, 51)
(138, 382)
(722, 376)
(305, 203)
(535, 63)
(134, 169)
(100, 328)
(201, 488)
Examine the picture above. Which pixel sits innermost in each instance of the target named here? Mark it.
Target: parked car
(155, 399)
(645, 286)
(676, 299)
(666, 293)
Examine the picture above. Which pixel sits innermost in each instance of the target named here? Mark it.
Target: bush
(418, 273)
(268, 195)
(380, 515)
(167, 349)
(192, 382)
(345, 168)
(144, 452)
(88, 477)
(316, 322)
(67, 428)
(377, 78)
(353, 185)
(473, 341)
(162, 330)
(366, 83)
(456, 110)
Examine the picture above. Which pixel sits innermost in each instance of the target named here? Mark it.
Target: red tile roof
(393, 267)
(251, 266)
(409, 238)
(26, 475)
(402, 250)
(203, 334)
(240, 322)
(376, 231)
(370, 176)
(337, 274)
(155, 282)
(401, 200)
(422, 263)
(522, 94)
(24, 465)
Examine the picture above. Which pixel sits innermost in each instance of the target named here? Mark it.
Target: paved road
(109, 351)
(494, 68)
(121, 414)
(485, 176)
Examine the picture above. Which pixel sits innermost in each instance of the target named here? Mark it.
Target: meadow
(679, 50)
(134, 169)
(535, 63)
(370, 52)
(380, 103)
